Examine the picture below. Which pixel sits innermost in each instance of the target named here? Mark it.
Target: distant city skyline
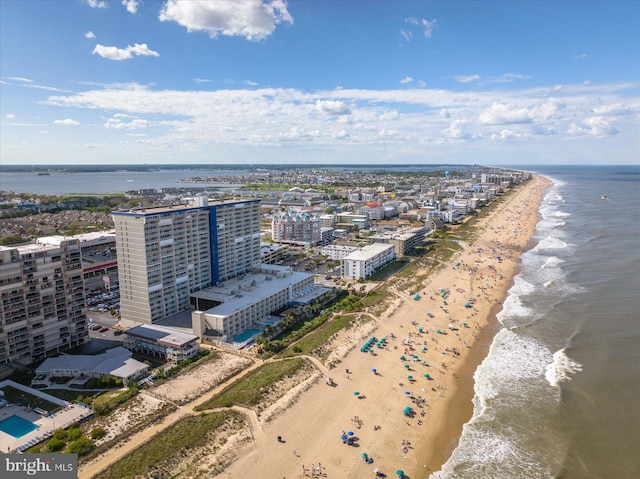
(334, 82)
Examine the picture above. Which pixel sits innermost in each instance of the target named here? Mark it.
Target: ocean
(557, 395)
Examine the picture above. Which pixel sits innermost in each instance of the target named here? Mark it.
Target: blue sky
(270, 81)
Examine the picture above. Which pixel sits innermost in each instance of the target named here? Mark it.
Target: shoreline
(483, 272)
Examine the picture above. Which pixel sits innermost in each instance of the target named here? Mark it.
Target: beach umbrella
(400, 472)
(356, 393)
(420, 329)
(427, 376)
(350, 433)
(409, 377)
(406, 366)
(364, 454)
(408, 393)
(376, 470)
(373, 370)
(344, 438)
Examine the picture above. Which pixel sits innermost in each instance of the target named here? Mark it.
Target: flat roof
(161, 335)
(167, 209)
(368, 251)
(238, 293)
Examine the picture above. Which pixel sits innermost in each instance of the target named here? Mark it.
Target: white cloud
(252, 19)
(426, 26)
(406, 80)
(302, 134)
(581, 55)
(332, 107)
(505, 134)
(66, 122)
(89, 34)
(599, 127)
(117, 124)
(503, 114)
(93, 145)
(250, 83)
(356, 125)
(421, 84)
(466, 78)
(390, 115)
(504, 78)
(596, 126)
(201, 80)
(10, 116)
(96, 4)
(131, 5)
(613, 109)
(115, 53)
(507, 78)
(458, 130)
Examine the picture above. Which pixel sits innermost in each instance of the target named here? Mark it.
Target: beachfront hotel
(200, 264)
(362, 263)
(169, 252)
(42, 299)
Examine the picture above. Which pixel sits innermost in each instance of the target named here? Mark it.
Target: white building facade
(166, 253)
(363, 263)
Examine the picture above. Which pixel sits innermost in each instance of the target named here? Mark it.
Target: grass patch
(168, 446)
(320, 336)
(248, 391)
(66, 394)
(388, 270)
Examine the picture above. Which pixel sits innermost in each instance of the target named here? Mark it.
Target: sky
(308, 82)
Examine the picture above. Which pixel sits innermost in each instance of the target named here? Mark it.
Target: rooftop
(368, 252)
(165, 336)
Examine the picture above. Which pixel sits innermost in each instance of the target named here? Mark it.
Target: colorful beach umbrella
(400, 472)
(356, 393)
(364, 454)
(350, 433)
(409, 377)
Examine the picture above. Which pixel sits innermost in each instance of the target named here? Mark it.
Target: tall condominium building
(167, 253)
(42, 299)
(296, 229)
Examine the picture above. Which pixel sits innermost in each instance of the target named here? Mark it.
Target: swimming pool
(246, 335)
(16, 426)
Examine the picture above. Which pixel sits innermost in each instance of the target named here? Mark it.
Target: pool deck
(46, 425)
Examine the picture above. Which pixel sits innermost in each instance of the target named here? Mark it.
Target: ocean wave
(511, 378)
(513, 309)
(561, 368)
(552, 262)
(550, 242)
(489, 453)
(562, 214)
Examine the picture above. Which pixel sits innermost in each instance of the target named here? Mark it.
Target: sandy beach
(440, 352)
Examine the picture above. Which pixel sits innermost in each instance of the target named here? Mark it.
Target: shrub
(55, 444)
(61, 435)
(81, 446)
(98, 432)
(73, 434)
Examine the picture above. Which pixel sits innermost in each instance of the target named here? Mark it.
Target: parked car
(103, 329)
(118, 332)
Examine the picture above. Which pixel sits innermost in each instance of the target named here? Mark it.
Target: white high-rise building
(42, 299)
(167, 253)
